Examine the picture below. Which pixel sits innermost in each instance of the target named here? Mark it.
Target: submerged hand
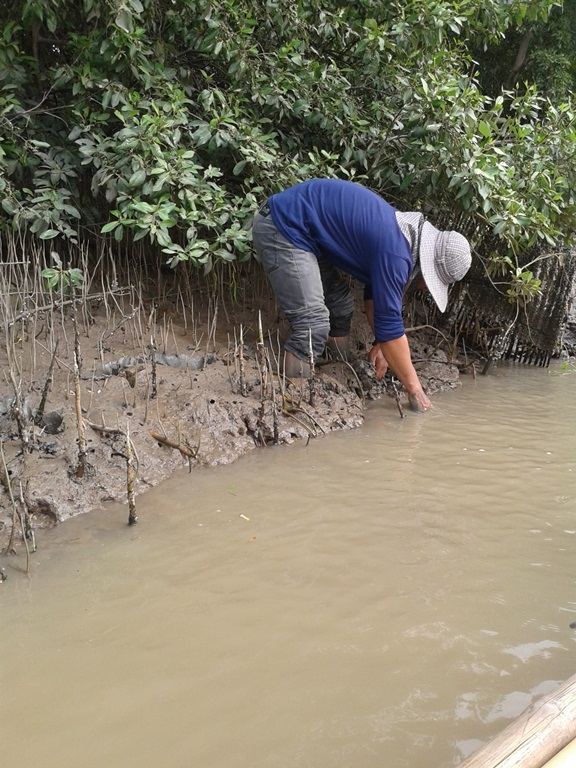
(419, 401)
(378, 361)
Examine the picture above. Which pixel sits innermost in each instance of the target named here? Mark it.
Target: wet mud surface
(184, 406)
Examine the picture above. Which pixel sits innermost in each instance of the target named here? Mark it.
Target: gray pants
(311, 293)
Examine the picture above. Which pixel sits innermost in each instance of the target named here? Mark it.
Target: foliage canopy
(169, 120)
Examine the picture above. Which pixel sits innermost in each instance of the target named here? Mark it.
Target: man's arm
(375, 355)
(396, 354)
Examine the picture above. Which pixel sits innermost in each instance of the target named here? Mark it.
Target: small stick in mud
(28, 527)
(275, 430)
(8, 486)
(152, 358)
(243, 391)
(184, 448)
(211, 331)
(277, 363)
(104, 430)
(312, 380)
(146, 400)
(262, 365)
(92, 385)
(397, 398)
(47, 384)
(228, 358)
(177, 351)
(19, 413)
(25, 528)
(82, 467)
(131, 476)
(261, 359)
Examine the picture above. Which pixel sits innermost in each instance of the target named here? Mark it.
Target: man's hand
(396, 355)
(378, 360)
(419, 402)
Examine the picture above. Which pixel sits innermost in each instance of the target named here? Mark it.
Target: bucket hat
(443, 257)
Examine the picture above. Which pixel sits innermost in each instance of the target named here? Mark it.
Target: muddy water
(390, 598)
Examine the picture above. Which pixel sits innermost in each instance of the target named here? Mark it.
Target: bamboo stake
(565, 758)
(536, 736)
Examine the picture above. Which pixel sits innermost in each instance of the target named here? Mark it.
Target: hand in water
(419, 402)
(378, 361)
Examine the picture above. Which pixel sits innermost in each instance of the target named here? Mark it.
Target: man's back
(343, 222)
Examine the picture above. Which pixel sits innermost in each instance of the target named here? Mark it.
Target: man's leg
(340, 302)
(294, 275)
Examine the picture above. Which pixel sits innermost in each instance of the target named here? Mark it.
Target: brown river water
(385, 598)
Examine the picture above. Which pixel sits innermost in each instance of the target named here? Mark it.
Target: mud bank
(184, 407)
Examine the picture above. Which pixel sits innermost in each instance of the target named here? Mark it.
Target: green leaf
(140, 233)
(109, 227)
(124, 21)
(76, 276)
(138, 178)
(48, 234)
(202, 135)
(52, 280)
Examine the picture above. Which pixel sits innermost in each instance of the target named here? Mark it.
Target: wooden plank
(536, 736)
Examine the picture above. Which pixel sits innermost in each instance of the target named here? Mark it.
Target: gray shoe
(295, 368)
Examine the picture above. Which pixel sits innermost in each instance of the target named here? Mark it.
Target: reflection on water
(390, 597)
(527, 651)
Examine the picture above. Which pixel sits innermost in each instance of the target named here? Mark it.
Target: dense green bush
(168, 120)
(538, 52)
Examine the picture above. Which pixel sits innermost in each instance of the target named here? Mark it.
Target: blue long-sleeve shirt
(355, 230)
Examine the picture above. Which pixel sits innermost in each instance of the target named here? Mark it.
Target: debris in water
(244, 517)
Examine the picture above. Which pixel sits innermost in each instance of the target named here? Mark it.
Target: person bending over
(306, 236)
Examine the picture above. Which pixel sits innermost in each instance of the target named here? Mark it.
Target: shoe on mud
(337, 351)
(294, 367)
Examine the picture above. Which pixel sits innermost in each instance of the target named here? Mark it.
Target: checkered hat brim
(444, 258)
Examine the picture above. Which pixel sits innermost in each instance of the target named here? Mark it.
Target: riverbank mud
(183, 400)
